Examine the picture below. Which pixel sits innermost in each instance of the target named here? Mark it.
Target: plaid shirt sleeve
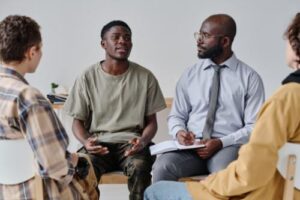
(46, 135)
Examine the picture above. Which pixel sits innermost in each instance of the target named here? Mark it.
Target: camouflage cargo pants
(137, 167)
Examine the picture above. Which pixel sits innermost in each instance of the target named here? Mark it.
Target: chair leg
(39, 187)
(288, 192)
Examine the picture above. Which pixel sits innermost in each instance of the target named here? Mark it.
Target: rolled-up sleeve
(77, 103)
(155, 98)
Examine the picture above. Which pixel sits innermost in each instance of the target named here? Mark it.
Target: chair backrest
(284, 152)
(288, 163)
(17, 161)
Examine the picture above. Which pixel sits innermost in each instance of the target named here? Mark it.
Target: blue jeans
(167, 190)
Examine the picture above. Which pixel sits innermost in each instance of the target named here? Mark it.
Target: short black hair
(17, 34)
(112, 24)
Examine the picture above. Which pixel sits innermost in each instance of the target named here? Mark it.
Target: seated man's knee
(161, 165)
(163, 170)
(222, 159)
(138, 167)
(216, 165)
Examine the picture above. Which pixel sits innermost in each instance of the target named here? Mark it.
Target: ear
(103, 44)
(30, 52)
(226, 41)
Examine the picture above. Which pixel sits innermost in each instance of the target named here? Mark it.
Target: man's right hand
(93, 148)
(185, 138)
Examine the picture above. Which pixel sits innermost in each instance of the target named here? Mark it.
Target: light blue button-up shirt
(240, 97)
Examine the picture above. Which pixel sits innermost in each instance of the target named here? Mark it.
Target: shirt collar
(8, 72)
(231, 63)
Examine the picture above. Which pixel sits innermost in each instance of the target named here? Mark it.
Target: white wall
(162, 35)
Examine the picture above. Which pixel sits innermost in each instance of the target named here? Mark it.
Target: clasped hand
(92, 146)
(211, 146)
(136, 145)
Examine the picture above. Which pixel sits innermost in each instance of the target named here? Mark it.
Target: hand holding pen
(185, 138)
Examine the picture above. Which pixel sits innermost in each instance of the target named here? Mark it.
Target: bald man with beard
(221, 117)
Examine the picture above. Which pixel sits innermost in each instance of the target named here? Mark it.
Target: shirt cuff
(227, 140)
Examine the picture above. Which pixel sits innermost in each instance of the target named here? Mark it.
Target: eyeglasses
(204, 36)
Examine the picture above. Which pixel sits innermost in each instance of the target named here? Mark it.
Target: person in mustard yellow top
(253, 176)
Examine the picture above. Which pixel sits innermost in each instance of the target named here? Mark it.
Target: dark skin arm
(211, 146)
(89, 142)
(148, 133)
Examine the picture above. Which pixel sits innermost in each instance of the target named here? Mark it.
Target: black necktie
(213, 101)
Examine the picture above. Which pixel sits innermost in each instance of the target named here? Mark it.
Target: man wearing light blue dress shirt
(241, 93)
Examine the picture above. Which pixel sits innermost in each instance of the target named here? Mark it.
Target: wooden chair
(18, 164)
(116, 177)
(289, 167)
(193, 178)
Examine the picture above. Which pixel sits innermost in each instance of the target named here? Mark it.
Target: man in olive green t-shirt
(114, 104)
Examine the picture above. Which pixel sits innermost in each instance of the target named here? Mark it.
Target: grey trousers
(177, 164)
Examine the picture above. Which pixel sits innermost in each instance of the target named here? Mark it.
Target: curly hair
(17, 35)
(293, 34)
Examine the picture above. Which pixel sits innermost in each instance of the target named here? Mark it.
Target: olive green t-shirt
(112, 106)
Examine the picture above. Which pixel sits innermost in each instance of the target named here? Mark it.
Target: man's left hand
(211, 146)
(137, 144)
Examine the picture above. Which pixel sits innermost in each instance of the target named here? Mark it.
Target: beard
(212, 52)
